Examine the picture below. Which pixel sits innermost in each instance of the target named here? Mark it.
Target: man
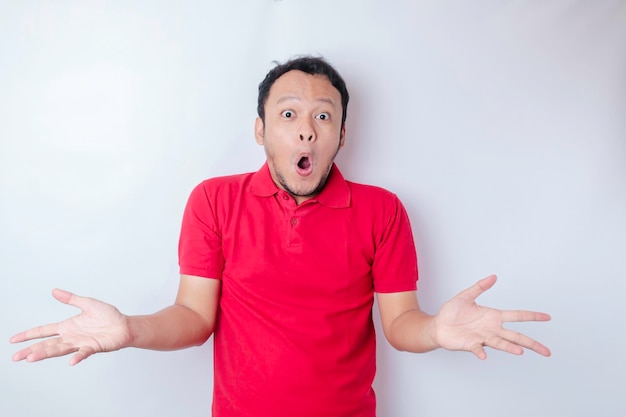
(281, 265)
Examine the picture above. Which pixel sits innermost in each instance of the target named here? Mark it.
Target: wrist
(133, 326)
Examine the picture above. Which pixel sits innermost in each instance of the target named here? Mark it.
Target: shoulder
(223, 183)
(235, 180)
(215, 197)
(365, 193)
(219, 191)
(375, 205)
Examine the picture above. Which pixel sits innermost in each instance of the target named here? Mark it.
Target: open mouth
(304, 165)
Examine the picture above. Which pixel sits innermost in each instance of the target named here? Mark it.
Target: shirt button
(294, 222)
(285, 197)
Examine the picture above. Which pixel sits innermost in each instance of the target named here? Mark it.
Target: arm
(461, 324)
(100, 327)
(189, 321)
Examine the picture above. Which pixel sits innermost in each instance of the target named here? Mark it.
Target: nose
(307, 132)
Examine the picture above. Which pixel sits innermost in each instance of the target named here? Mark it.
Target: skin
(461, 324)
(100, 327)
(303, 118)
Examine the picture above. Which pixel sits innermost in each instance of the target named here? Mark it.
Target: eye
(323, 116)
(287, 114)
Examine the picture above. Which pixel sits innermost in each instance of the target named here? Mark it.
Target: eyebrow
(295, 98)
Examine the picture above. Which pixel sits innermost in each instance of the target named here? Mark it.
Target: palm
(464, 325)
(99, 327)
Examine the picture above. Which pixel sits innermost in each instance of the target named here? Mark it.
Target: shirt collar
(336, 192)
(262, 184)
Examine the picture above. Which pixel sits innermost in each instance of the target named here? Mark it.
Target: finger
(514, 343)
(69, 298)
(524, 341)
(473, 292)
(47, 349)
(541, 349)
(524, 315)
(52, 352)
(17, 338)
(21, 355)
(82, 354)
(36, 333)
(504, 345)
(479, 351)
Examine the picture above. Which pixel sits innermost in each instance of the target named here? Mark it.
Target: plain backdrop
(500, 124)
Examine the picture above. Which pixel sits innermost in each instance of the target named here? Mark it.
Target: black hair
(311, 65)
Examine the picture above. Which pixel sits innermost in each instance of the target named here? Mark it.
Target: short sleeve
(394, 268)
(200, 244)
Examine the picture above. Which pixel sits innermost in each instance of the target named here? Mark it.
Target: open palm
(100, 327)
(462, 324)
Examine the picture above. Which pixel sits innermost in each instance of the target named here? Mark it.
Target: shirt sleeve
(394, 268)
(200, 244)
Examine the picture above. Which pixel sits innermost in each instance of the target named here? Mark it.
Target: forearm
(413, 331)
(175, 327)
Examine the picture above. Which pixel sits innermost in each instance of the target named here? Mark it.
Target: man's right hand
(100, 327)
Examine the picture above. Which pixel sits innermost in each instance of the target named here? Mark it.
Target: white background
(500, 124)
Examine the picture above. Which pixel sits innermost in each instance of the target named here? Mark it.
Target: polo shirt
(294, 333)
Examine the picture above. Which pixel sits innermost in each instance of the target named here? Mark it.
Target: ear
(342, 136)
(259, 131)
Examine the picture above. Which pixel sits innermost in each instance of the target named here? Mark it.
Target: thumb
(62, 295)
(473, 292)
(69, 298)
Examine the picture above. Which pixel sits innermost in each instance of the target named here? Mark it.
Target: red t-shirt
(294, 333)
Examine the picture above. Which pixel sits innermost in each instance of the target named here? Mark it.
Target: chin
(302, 190)
(311, 190)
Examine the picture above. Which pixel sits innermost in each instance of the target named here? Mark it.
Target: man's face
(302, 132)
